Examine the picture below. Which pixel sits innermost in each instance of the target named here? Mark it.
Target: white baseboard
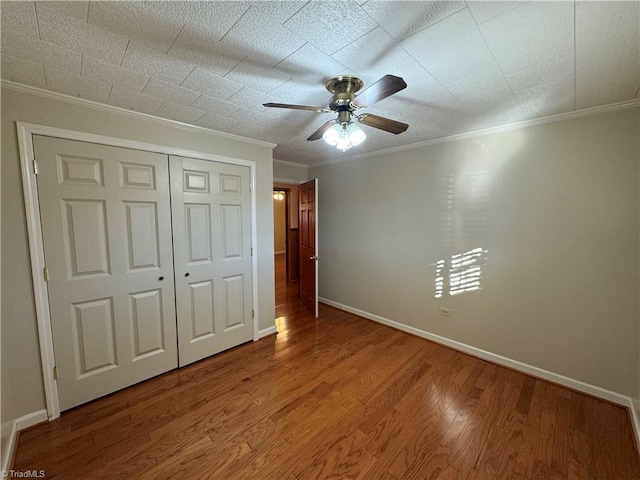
(7, 455)
(492, 357)
(31, 419)
(18, 424)
(267, 331)
(622, 400)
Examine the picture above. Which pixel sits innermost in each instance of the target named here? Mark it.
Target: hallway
(285, 291)
(291, 315)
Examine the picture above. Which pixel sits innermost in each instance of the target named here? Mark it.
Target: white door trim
(26, 131)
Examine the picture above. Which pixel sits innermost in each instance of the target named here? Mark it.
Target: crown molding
(489, 131)
(18, 87)
(290, 164)
(185, 126)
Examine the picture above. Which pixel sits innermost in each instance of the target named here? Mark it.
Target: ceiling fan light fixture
(332, 135)
(356, 134)
(344, 136)
(347, 98)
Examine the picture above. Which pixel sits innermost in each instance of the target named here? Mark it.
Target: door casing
(287, 228)
(26, 131)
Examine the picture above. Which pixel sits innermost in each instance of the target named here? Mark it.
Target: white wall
(22, 389)
(290, 175)
(289, 172)
(556, 208)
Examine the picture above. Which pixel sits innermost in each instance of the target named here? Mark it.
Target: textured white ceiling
(468, 65)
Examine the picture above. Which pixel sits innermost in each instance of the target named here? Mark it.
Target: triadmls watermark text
(24, 474)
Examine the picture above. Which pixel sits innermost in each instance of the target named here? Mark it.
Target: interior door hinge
(55, 372)
(36, 171)
(45, 274)
(253, 313)
(252, 251)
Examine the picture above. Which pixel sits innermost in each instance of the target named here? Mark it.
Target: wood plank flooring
(337, 397)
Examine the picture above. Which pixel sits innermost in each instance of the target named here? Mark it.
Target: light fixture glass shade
(344, 136)
(332, 135)
(356, 134)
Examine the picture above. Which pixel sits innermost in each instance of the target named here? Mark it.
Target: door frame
(291, 184)
(26, 131)
(287, 226)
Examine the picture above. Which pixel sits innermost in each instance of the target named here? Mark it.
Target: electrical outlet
(445, 312)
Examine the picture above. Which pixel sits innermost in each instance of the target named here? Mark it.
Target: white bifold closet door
(106, 222)
(110, 249)
(211, 205)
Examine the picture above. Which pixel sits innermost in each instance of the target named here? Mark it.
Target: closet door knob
(160, 278)
(186, 274)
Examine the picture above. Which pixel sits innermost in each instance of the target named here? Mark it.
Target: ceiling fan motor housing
(344, 84)
(344, 88)
(342, 102)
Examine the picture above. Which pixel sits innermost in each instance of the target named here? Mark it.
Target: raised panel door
(106, 223)
(307, 225)
(212, 255)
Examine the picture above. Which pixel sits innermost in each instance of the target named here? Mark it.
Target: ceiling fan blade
(383, 88)
(317, 135)
(297, 107)
(382, 123)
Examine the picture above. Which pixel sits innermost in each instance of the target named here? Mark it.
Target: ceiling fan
(346, 101)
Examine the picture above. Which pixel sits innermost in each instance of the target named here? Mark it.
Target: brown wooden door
(308, 234)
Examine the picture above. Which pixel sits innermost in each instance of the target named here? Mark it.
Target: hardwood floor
(337, 397)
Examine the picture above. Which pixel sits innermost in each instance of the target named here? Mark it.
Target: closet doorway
(145, 259)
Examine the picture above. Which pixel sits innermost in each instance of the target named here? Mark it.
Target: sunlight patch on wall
(461, 273)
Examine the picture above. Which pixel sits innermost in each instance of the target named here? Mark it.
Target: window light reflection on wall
(464, 273)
